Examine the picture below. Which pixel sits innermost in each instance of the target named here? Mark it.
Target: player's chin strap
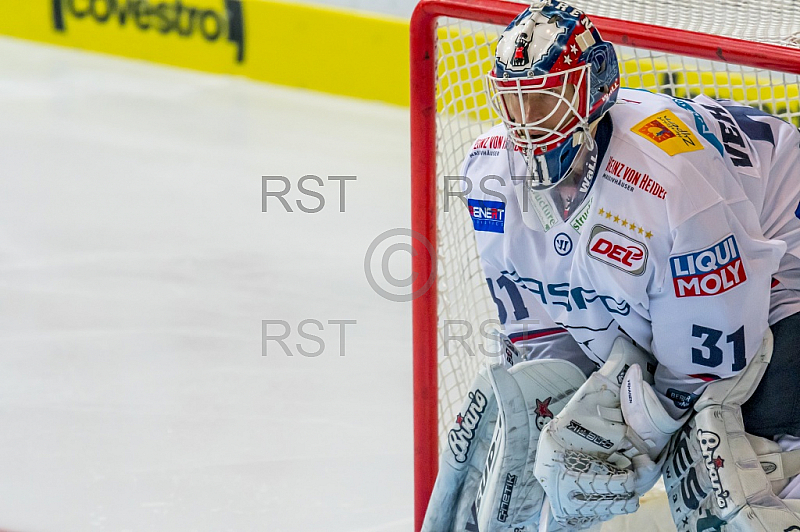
(721, 479)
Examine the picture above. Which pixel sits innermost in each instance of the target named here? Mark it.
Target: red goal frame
(423, 175)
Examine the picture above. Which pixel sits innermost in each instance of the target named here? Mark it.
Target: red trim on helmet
(529, 83)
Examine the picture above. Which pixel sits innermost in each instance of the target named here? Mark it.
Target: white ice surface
(135, 269)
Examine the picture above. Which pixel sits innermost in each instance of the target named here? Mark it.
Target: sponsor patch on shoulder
(487, 216)
(617, 250)
(708, 272)
(666, 131)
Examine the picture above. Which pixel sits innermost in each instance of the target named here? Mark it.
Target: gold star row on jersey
(625, 223)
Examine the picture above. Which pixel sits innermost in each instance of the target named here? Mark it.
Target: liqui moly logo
(617, 250)
(487, 215)
(708, 272)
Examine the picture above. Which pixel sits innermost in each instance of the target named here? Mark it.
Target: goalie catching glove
(605, 448)
(486, 475)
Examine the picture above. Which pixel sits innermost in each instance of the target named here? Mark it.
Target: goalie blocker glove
(721, 479)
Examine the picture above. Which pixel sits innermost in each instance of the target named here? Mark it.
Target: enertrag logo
(163, 18)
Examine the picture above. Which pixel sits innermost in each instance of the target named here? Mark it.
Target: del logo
(487, 215)
(617, 250)
(666, 131)
(708, 272)
(162, 18)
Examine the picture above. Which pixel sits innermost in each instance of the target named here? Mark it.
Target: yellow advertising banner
(335, 51)
(329, 50)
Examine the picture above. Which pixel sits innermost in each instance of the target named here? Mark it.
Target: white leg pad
(528, 396)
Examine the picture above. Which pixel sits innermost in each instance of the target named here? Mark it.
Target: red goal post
(760, 74)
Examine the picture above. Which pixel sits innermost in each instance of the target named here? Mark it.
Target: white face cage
(542, 112)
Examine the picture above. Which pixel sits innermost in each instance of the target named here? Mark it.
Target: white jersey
(688, 241)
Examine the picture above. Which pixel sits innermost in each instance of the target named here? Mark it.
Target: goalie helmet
(554, 77)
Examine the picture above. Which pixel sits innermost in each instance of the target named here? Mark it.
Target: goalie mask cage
(451, 51)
